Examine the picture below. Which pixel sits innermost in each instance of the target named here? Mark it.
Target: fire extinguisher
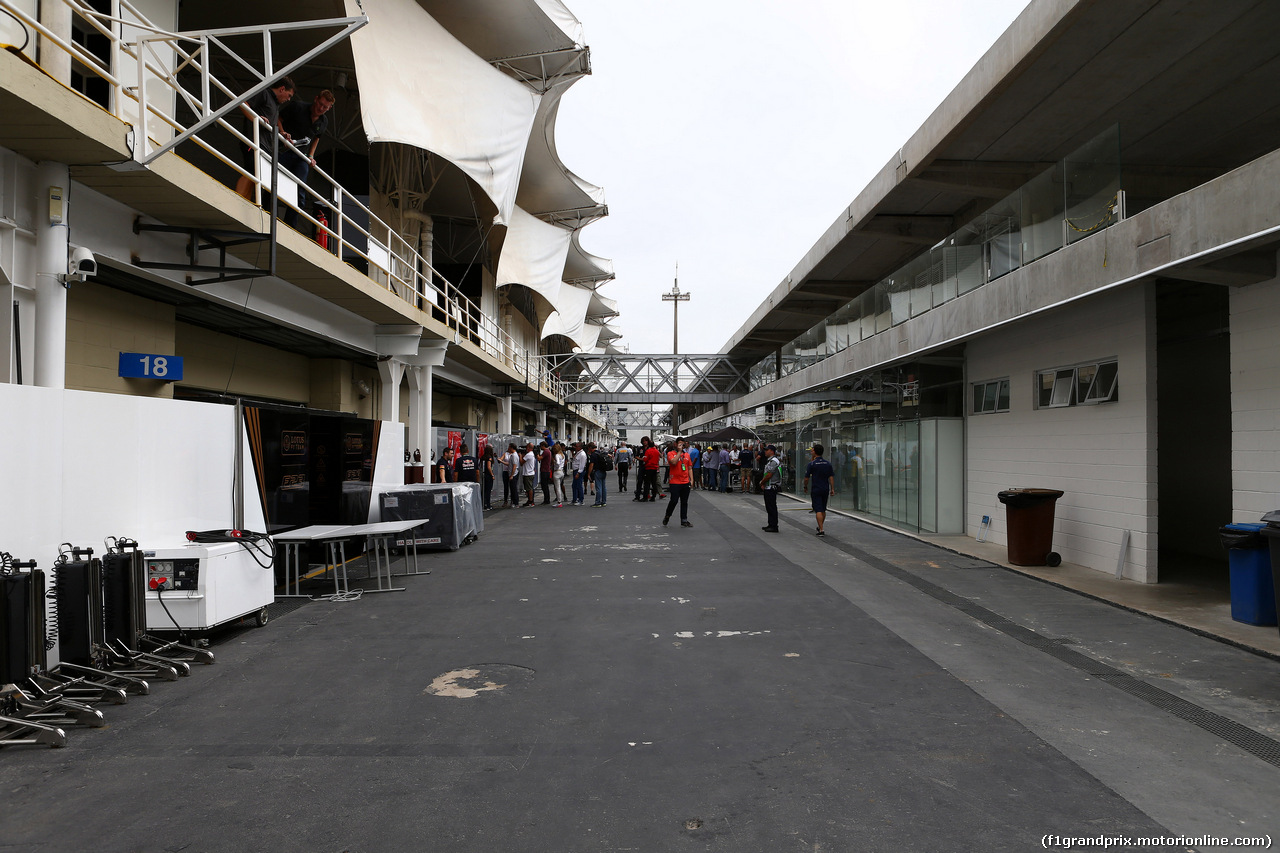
(322, 233)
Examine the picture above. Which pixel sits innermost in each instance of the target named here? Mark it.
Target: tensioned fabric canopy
(569, 318)
(533, 255)
(420, 86)
(582, 267)
(547, 185)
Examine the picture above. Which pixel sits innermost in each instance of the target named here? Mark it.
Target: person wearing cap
(770, 480)
(824, 484)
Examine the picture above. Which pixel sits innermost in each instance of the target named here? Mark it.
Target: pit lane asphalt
(587, 679)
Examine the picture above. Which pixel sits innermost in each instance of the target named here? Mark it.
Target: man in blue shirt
(823, 476)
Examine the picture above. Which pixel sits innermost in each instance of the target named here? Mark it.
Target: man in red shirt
(679, 475)
(652, 461)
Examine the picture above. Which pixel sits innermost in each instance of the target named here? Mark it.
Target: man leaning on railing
(263, 107)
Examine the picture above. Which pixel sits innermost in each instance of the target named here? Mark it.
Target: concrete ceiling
(1190, 83)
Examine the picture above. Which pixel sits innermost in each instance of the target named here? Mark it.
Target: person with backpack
(622, 461)
(598, 467)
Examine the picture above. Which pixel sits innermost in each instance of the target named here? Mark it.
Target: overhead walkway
(658, 379)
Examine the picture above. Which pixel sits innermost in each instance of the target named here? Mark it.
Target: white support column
(504, 415)
(51, 270)
(430, 356)
(419, 386)
(56, 62)
(392, 371)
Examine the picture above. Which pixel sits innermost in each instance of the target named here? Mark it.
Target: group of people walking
(571, 471)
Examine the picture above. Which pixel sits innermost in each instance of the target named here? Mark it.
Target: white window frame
(990, 386)
(1089, 383)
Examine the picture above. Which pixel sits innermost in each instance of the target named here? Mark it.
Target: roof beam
(925, 230)
(1239, 270)
(993, 179)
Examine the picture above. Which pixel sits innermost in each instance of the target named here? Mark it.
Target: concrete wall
(217, 362)
(101, 324)
(1255, 400)
(1102, 456)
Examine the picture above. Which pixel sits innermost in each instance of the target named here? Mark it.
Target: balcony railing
(149, 73)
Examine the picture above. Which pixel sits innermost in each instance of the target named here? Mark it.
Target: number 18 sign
(140, 365)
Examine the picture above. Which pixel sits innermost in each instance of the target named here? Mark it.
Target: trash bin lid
(1028, 497)
(1272, 518)
(1251, 526)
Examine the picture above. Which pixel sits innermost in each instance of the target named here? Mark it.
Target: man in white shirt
(579, 466)
(528, 470)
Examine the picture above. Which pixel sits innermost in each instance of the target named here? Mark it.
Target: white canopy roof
(584, 335)
(504, 29)
(420, 86)
(601, 307)
(547, 186)
(533, 255)
(582, 267)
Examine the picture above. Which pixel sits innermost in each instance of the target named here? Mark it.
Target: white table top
(316, 533)
(382, 528)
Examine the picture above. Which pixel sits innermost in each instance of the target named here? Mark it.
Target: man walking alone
(824, 484)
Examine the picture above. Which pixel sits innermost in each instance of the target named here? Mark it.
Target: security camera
(81, 265)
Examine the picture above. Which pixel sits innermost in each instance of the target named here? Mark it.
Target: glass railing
(1067, 202)
(342, 224)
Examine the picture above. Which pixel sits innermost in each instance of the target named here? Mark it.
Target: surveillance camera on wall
(81, 265)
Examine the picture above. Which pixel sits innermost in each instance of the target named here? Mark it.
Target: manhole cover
(472, 681)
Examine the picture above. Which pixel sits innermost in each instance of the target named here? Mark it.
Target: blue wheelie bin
(1252, 589)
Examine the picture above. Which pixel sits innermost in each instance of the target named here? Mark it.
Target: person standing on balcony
(263, 107)
(305, 123)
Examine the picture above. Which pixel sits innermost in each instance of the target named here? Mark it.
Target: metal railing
(349, 228)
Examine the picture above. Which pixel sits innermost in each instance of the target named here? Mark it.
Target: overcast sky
(729, 135)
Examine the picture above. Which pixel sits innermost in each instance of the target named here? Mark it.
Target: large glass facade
(895, 438)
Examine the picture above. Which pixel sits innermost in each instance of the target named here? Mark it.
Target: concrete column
(504, 415)
(56, 62)
(391, 371)
(51, 268)
(430, 356)
(419, 408)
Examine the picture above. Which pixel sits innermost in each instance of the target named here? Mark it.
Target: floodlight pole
(675, 297)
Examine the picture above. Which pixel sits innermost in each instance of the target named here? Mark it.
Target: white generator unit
(196, 588)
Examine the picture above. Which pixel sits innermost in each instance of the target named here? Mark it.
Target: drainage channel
(1250, 740)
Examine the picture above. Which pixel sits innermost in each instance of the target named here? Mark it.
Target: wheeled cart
(194, 589)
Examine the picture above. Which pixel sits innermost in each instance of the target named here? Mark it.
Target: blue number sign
(139, 365)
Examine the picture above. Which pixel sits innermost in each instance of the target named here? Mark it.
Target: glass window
(1084, 384)
(1103, 389)
(989, 397)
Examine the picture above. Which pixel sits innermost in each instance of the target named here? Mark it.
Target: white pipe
(51, 270)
